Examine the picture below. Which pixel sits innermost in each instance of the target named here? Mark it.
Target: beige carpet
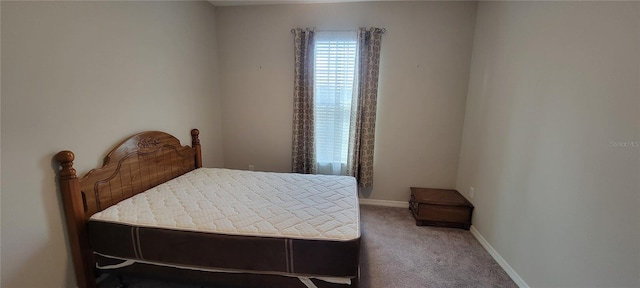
(398, 254)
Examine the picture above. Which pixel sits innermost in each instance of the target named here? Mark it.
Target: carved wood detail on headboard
(138, 163)
(141, 162)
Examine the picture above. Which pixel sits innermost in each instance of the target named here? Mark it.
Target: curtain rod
(383, 30)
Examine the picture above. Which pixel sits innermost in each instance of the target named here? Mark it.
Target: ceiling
(267, 2)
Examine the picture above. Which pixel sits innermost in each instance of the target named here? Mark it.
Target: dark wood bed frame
(138, 163)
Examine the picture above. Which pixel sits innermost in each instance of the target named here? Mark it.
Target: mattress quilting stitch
(239, 202)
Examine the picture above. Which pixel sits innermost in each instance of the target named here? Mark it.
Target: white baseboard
(388, 203)
(503, 263)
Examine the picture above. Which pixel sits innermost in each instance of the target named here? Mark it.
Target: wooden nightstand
(440, 207)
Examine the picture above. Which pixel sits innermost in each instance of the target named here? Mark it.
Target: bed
(152, 209)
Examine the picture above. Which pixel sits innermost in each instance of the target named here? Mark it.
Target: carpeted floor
(398, 254)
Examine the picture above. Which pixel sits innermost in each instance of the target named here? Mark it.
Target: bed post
(195, 143)
(76, 221)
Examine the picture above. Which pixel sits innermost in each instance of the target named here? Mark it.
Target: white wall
(423, 83)
(82, 76)
(551, 138)
(0, 142)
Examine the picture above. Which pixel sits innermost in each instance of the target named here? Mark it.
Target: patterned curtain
(362, 138)
(303, 150)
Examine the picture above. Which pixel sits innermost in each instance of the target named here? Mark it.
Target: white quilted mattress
(248, 203)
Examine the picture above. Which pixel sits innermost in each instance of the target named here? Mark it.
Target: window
(334, 84)
(322, 140)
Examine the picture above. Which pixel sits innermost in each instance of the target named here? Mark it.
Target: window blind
(335, 68)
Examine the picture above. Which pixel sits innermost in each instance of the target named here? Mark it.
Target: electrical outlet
(471, 191)
(251, 167)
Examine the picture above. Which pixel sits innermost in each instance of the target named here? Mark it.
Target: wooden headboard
(138, 163)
